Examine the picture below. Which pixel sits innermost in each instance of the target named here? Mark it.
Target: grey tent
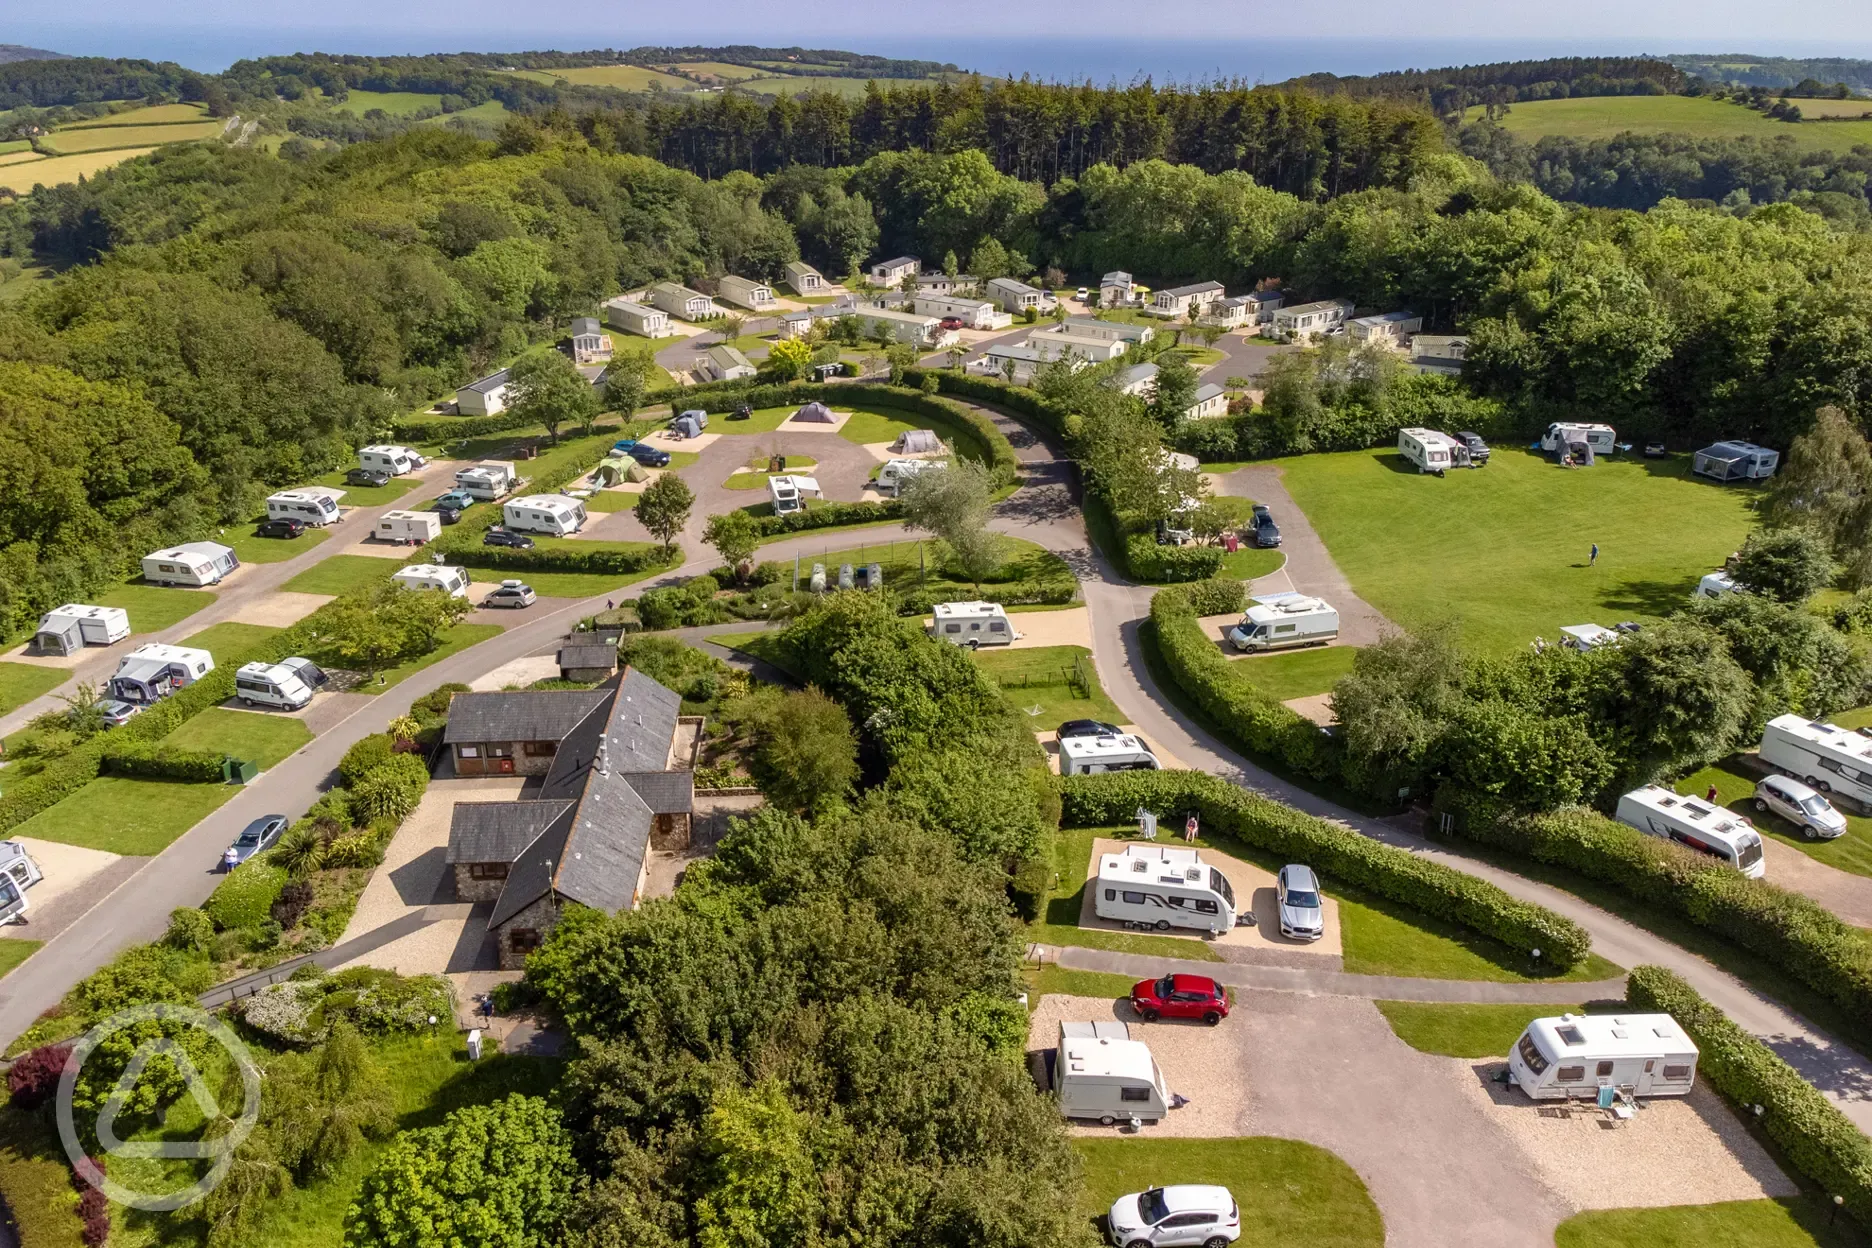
(815, 413)
(58, 635)
(914, 441)
(688, 426)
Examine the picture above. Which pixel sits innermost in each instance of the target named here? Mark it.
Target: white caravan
(1164, 886)
(1432, 451)
(1584, 637)
(192, 563)
(1715, 585)
(1695, 824)
(891, 477)
(271, 684)
(18, 872)
(411, 527)
(488, 480)
(789, 492)
(971, 624)
(70, 628)
(152, 672)
(1092, 756)
(395, 460)
(1837, 761)
(1279, 621)
(1735, 461)
(552, 514)
(1100, 1072)
(451, 581)
(1602, 439)
(317, 506)
(1578, 1054)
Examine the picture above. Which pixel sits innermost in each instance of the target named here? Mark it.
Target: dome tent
(815, 413)
(917, 441)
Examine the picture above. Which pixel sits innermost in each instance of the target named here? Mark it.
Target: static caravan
(1094, 756)
(971, 624)
(1578, 1054)
(395, 460)
(1835, 760)
(487, 480)
(789, 492)
(486, 397)
(408, 527)
(152, 672)
(1281, 621)
(192, 563)
(451, 581)
(1101, 1073)
(637, 318)
(1736, 461)
(317, 506)
(755, 296)
(1694, 824)
(552, 514)
(1163, 886)
(891, 477)
(1600, 439)
(70, 628)
(271, 684)
(1432, 451)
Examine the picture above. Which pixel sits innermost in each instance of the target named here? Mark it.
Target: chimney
(603, 760)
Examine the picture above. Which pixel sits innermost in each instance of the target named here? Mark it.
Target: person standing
(1593, 562)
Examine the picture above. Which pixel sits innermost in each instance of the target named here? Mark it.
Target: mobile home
(395, 460)
(318, 507)
(451, 581)
(1094, 756)
(804, 279)
(1835, 760)
(552, 514)
(1695, 824)
(72, 627)
(192, 563)
(891, 477)
(971, 624)
(637, 318)
(1577, 1054)
(1600, 439)
(790, 492)
(1281, 621)
(755, 296)
(1432, 451)
(1163, 886)
(1306, 321)
(1388, 329)
(152, 672)
(1736, 461)
(486, 397)
(680, 301)
(271, 684)
(408, 527)
(487, 480)
(1101, 1073)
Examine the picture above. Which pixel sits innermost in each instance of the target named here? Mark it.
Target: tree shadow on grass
(1654, 598)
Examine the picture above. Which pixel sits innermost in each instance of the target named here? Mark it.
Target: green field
(1038, 682)
(1602, 117)
(110, 138)
(623, 77)
(20, 683)
(1803, 1222)
(252, 548)
(259, 738)
(229, 639)
(1383, 938)
(58, 170)
(160, 114)
(153, 608)
(1467, 1031)
(13, 952)
(1299, 673)
(393, 103)
(852, 87)
(342, 574)
(1735, 789)
(1510, 541)
(94, 816)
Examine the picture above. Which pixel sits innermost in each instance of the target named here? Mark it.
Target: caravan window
(1135, 899)
(1531, 1054)
(1603, 1070)
(1676, 1072)
(1571, 1074)
(1285, 628)
(1134, 1094)
(1220, 884)
(1111, 894)
(1843, 771)
(1749, 855)
(1205, 906)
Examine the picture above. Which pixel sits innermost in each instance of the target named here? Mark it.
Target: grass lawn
(762, 645)
(1802, 1222)
(1735, 789)
(1044, 677)
(454, 640)
(342, 574)
(1198, 356)
(20, 683)
(1055, 980)
(13, 952)
(1298, 673)
(757, 480)
(228, 639)
(1384, 938)
(94, 816)
(252, 548)
(1464, 1030)
(613, 500)
(366, 495)
(1250, 561)
(153, 608)
(110, 138)
(1289, 1192)
(1523, 527)
(259, 738)
(487, 110)
(1602, 117)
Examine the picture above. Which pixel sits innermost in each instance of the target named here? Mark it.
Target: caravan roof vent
(1193, 873)
(1569, 1035)
(1619, 1033)
(1297, 604)
(1141, 866)
(1663, 1033)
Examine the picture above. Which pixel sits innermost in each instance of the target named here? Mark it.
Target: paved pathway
(1309, 567)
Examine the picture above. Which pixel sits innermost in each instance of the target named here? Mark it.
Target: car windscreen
(1163, 988)
(1300, 899)
(248, 838)
(1151, 1205)
(1815, 806)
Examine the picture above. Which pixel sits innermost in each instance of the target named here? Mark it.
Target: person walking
(1593, 562)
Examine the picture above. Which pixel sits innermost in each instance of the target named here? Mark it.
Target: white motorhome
(1695, 824)
(271, 684)
(1715, 585)
(1560, 435)
(18, 865)
(1280, 621)
(1577, 1054)
(395, 460)
(891, 477)
(315, 506)
(1101, 1073)
(70, 628)
(551, 514)
(152, 672)
(1164, 886)
(192, 563)
(408, 527)
(1432, 451)
(451, 581)
(971, 624)
(1090, 756)
(1837, 761)
(790, 492)
(1735, 461)
(487, 480)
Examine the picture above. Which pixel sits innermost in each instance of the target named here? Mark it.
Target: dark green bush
(190, 930)
(1168, 564)
(1219, 596)
(1028, 885)
(448, 428)
(246, 896)
(148, 761)
(829, 515)
(435, 703)
(365, 756)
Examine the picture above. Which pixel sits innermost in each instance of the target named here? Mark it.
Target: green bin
(239, 770)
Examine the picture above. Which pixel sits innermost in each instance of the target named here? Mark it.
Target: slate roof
(499, 831)
(1206, 392)
(491, 382)
(1196, 288)
(665, 792)
(587, 656)
(529, 715)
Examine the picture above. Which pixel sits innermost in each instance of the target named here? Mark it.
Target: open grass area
(1602, 117)
(153, 608)
(613, 500)
(763, 645)
(1469, 1031)
(1250, 561)
(1801, 1222)
(1049, 684)
(757, 480)
(1055, 980)
(393, 103)
(1735, 789)
(229, 638)
(259, 738)
(454, 640)
(623, 77)
(1383, 938)
(58, 170)
(13, 952)
(342, 574)
(17, 153)
(158, 115)
(718, 69)
(111, 138)
(1298, 673)
(1289, 1192)
(1523, 527)
(96, 816)
(486, 110)
(20, 683)
(253, 548)
(366, 495)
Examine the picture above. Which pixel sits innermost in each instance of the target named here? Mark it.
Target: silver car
(1302, 913)
(511, 594)
(1800, 806)
(1197, 1214)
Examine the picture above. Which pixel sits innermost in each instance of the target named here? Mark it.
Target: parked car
(1801, 806)
(459, 500)
(1267, 533)
(1184, 1213)
(497, 536)
(367, 476)
(1261, 514)
(1082, 293)
(258, 837)
(280, 526)
(1180, 996)
(309, 672)
(514, 594)
(1302, 914)
(951, 322)
(1655, 450)
(115, 713)
(1086, 728)
(448, 515)
(1478, 449)
(648, 456)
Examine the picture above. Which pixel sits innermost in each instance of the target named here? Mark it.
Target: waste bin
(239, 770)
(474, 1045)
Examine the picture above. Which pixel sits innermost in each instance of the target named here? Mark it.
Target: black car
(449, 515)
(367, 476)
(280, 526)
(1261, 516)
(1267, 534)
(498, 536)
(1086, 728)
(649, 456)
(1478, 449)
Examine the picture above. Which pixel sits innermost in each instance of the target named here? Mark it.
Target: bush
(246, 896)
(435, 703)
(584, 557)
(34, 1075)
(1219, 596)
(1209, 440)
(190, 930)
(390, 790)
(1157, 564)
(147, 761)
(379, 1002)
(290, 907)
(1028, 885)
(365, 756)
(830, 515)
(1427, 887)
(448, 428)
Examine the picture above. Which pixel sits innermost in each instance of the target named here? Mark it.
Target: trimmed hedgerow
(1149, 561)
(246, 896)
(829, 515)
(445, 428)
(1436, 890)
(149, 761)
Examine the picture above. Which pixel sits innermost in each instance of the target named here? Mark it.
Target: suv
(367, 476)
(1180, 996)
(1800, 806)
(497, 536)
(1478, 449)
(1086, 728)
(1267, 533)
(1302, 914)
(1185, 1213)
(280, 526)
(514, 594)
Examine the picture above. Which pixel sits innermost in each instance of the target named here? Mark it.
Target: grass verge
(1054, 980)
(1468, 1031)
(253, 735)
(153, 608)
(20, 683)
(1383, 938)
(14, 951)
(454, 640)
(1800, 1222)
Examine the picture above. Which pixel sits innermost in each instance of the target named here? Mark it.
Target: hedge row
(1145, 560)
(830, 515)
(148, 760)
(993, 390)
(1428, 887)
(1786, 929)
(1810, 1130)
(447, 428)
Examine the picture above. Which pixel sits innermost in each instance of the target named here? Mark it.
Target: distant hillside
(10, 52)
(1745, 70)
(1450, 90)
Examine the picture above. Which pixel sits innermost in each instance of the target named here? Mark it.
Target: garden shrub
(829, 515)
(292, 903)
(1000, 1024)
(246, 896)
(391, 789)
(149, 761)
(435, 703)
(1210, 440)
(1027, 887)
(190, 930)
(34, 1075)
(1216, 596)
(365, 756)
(1158, 564)
(302, 1011)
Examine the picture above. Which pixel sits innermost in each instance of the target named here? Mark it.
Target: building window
(539, 749)
(522, 939)
(469, 751)
(487, 870)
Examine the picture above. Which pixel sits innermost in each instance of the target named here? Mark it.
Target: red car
(951, 322)
(1180, 996)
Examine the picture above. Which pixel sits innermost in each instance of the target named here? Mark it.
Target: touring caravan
(152, 672)
(552, 514)
(18, 865)
(1101, 1073)
(411, 527)
(1163, 886)
(1735, 461)
(13, 901)
(488, 480)
(1578, 1054)
(790, 492)
(1695, 824)
(1586, 637)
(451, 581)
(971, 624)
(1715, 585)
(891, 477)
(1280, 621)
(1091, 756)
(192, 563)
(1601, 439)
(317, 506)
(70, 628)
(1432, 451)
(1837, 761)
(271, 684)
(395, 460)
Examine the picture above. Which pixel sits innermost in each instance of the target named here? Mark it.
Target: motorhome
(70, 628)
(18, 865)
(790, 492)
(552, 514)
(1715, 585)
(891, 477)
(1638, 1055)
(1602, 439)
(1735, 461)
(451, 581)
(1091, 756)
(971, 624)
(487, 480)
(408, 527)
(1281, 621)
(152, 672)
(1164, 886)
(271, 684)
(1695, 824)
(1101, 1073)
(317, 506)
(1432, 451)
(1837, 761)
(192, 563)
(395, 460)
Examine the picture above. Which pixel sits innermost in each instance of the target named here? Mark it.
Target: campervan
(487, 481)
(1601, 439)
(1578, 1054)
(17, 865)
(192, 563)
(552, 514)
(1735, 461)
(1163, 886)
(451, 581)
(271, 684)
(891, 477)
(1094, 755)
(1837, 761)
(412, 527)
(1278, 621)
(310, 507)
(70, 628)
(152, 672)
(1715, 585)
(971, 624)
(395, 460)
(1432, 451)
(790, 492)
(1100, 1072)
(1695, 824)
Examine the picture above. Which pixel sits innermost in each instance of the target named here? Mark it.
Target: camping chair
(1616, 1103)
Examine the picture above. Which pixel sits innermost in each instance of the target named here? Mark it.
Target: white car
(1199, 1214)
(1302, 914)
(1800, 806)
